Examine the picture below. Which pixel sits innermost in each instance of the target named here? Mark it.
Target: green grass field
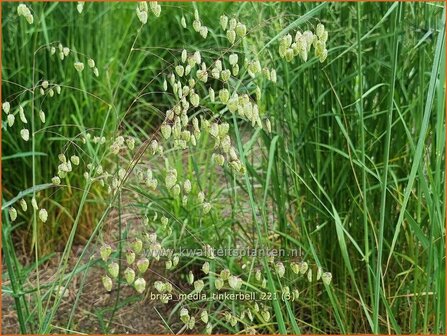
(146, 146)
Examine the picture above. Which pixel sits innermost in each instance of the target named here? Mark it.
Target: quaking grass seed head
(80, 7)
(206, 206)
(159, 286)
(137, 245)
(155, 8)
(234, 282)
(113, 269)
(34, 204)
(232, 24)
(326, 277)
(23, 10)
(190, 278)
(231, 36)
(241, 29)
(203, 31)
(105, 252)
(12, 214)
(218, 283)
(42, 116)
(225, 274)
(10, 119)
(23, 205)
(24, 133)
(198, 285)
(141, 11)
(233, 59)
(204, 316)
(206, 267)
(107, 283)
(22, 115)
(280, 269)
(6, 107)
(43, 215)
(196, 25)
(79, 66)
(223, 21)
(142, 265)
(129, 275)
(56, 180)
(140, 285)
(184, 315)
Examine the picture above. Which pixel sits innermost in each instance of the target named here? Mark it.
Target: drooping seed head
(142, 265)
(233, 59)
(196, 25)
(198, 285)
(212, 95)
(265, 315)
(180, 70)
(12, 214)
(91, 63)
(56, 180)
(23, 205)
(225, 75)
(155, 8)
(105, 251)
(80, 6)
(241, 29)
(223, 21)
(203, 31)
(79, 66)
(43, 215)
(231, 36)
(204, 316)
(22, 115)
(234, 282)
(140, 285)
(273, 77)
(326, 277)
(225, 274)
(10, 119)
(206, 267)
(130, 256)
(224, 95)
(218, 283)
(34, 204)
(206, 207)
(137, 245)
(113, 269)
(24, 133)
(129, 275)
(304, 266)
(201, 197)
(184, 315)
(6, 107)
(107, 283)
(280, 269)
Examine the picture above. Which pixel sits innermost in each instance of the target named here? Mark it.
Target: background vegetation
(352, 173)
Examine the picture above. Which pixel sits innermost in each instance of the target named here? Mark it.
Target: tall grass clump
(278, 173)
